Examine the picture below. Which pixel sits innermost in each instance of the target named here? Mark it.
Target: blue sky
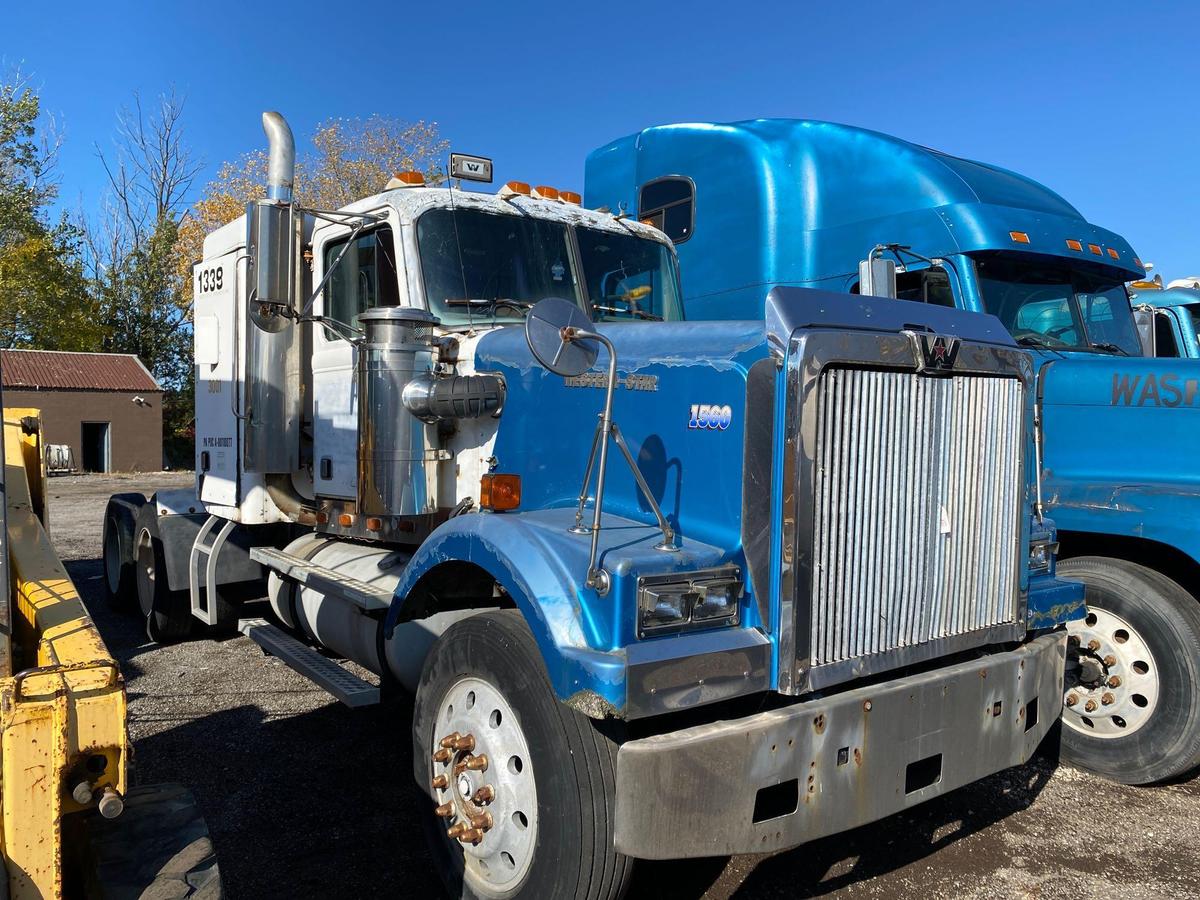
(1098, 100)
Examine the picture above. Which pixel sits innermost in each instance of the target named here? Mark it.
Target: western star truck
(661, 589)
(758, 204)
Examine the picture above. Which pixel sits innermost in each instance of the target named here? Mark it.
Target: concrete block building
(106, 406)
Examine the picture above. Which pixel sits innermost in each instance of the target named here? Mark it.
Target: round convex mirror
(544, 331)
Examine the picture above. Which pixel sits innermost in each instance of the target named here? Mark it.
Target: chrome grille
(916, 509)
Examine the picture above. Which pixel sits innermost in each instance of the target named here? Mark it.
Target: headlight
(681, 600)
(1041, 554)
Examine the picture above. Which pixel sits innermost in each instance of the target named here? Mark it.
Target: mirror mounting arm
(597, 577)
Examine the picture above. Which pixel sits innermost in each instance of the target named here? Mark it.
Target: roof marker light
(570, 197)
(1073, 244)
(1137, 262)
(1113, 253)
(1019, 237)
(1095, 248)
(545, 192)
(406, 179)
(514, 189)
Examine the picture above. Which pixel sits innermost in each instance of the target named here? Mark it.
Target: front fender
(1168, 513)
(540, 568)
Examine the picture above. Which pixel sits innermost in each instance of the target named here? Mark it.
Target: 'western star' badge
(938, 351)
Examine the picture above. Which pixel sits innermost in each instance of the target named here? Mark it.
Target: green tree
(44, 300)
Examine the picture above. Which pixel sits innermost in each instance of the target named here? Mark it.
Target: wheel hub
(1116, 688)
(483, 786)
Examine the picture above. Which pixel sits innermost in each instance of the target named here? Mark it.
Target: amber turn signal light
(1019, 237)
(500, 492)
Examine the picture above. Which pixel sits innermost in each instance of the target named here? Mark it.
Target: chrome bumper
(778, 779)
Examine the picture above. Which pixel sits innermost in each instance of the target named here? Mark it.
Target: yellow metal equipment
(63, 743)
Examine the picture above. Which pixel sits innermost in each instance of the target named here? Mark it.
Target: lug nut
(1115, 681)
(478, 763)
(471, 836)
(1072, 699)
(1107, 699)
(1093, 645)
(1090, 706)
(448, 740)
(1110, 660)
(456, 829)
(445, 811)
(442, 756)
(466, 742)
(483, 821)
(440, 782)
(485, 794)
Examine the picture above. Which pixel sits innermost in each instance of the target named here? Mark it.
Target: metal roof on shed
(64, 371)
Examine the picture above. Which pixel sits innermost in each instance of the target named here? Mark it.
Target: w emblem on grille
(938, 352)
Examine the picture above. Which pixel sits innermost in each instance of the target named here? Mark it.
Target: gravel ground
(306, 798)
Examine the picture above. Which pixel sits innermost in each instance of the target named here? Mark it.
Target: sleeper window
(668, 204)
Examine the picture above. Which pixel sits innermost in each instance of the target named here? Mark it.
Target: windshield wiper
(641, 314)
(1029, 340)
(522, 306)
(1111, 348)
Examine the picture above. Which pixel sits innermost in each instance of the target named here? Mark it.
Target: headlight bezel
(715, 592)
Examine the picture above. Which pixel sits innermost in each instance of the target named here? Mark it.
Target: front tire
(549, 772)
(1132, 709)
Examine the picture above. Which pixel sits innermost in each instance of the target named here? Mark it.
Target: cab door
(366, 277)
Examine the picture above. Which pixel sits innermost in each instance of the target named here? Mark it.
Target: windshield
(480, 267)
(627, 277)
(1054, 306)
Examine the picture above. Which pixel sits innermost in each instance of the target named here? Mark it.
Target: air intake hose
(430, 397)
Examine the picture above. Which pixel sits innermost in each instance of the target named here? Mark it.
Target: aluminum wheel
(482, 777)
(1117, 688)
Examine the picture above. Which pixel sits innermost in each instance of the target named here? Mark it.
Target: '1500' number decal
(707, 415)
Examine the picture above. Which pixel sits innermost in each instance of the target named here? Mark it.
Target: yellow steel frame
(62, 718)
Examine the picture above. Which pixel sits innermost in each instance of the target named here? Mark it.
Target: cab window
(668, 204)
(928, 285)
(1164, 336)
(365, 278)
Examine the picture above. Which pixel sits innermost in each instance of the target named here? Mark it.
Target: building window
(669, 204)
(364, 279)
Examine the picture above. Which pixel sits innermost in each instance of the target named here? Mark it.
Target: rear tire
(120, 566)
(551, 768)
(158, 847)
(168, 613)
(1139, 673)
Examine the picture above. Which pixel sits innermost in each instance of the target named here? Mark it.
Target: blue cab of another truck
(758, 204)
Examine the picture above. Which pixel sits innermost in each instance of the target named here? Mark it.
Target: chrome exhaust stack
(281, 157)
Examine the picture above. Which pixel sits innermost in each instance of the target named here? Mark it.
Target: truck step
(369, 599)
(320, 670)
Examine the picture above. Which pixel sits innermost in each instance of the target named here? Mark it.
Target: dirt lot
(306, 798)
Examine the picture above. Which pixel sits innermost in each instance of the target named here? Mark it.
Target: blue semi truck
(662, 589)
(758, 204)
(1173, 320)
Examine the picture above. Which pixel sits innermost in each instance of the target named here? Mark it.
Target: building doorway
(94, 442)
